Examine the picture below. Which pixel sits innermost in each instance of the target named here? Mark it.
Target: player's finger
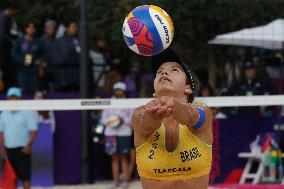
(161, 111)
(151, 109)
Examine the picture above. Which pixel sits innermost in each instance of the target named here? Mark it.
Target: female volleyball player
(172, 135)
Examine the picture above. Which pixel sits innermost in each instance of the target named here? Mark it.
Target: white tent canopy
(269, 36)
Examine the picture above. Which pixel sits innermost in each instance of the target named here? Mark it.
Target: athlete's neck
(180, 98)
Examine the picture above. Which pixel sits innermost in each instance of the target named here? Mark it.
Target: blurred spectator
(100, 160)
(132, 80)
(6, 40)
(49, 54)
(146, 87)
(100, 58)
(96, 126)
(44, 117)
(272, 61)
(250, 85)
(27, 54)
(60, 30)
(18, 131)
(114, 75)
(118, 135)
(232, 69)
(206, 91)
(66, 75)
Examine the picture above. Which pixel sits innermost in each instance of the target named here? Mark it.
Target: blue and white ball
(148, 30)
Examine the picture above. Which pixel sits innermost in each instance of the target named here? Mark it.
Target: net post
(84, 94)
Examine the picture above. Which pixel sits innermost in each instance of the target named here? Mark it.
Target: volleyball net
(56, 151)
(98, 104)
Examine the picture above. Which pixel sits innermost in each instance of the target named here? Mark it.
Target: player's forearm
(184, 113)
(150, 123)
(145, 123)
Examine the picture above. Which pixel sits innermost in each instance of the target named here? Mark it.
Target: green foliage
(39, 11)
(195, 21)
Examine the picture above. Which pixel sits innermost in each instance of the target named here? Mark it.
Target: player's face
(170, 80)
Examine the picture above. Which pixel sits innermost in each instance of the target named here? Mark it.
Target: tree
(195, 21)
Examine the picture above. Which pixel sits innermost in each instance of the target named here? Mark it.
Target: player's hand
(168, 102)
(160, 108)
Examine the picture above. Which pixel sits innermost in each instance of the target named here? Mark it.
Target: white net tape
(96, 104)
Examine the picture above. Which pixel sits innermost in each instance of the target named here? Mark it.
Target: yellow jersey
(192, 157)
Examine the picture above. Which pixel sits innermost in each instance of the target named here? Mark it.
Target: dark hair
(68, 23)
(28, 23)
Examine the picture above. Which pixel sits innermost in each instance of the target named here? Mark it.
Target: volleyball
(148, 30)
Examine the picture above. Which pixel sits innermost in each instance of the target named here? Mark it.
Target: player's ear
(187, 90)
